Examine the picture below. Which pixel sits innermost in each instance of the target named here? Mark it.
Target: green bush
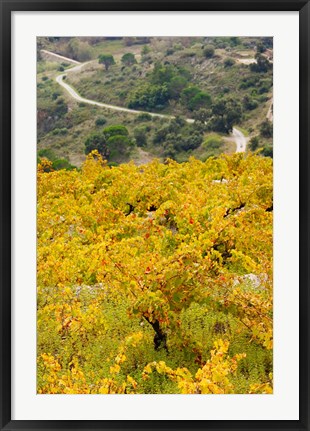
(249, 104)
(61, 107)
(149, 97)
(266, 129)
(62, 164)
(62, 131)
(100, 121)
(47, 153)
(212, 142)
(267, 151)
(228, 62)
(115, 130)
(144, 116)
(254, 142)
(209, 51)
(140, 136)
(169, 51)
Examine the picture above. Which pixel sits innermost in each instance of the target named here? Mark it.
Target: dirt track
(237, 135)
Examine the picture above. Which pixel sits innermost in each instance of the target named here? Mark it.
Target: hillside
(217, 82)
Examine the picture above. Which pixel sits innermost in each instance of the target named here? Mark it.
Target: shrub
(62, 131)
(100, 121)
(61, 107)
(47, 153)
(262, 64)
(140, 136)
(55, 95)
(228, 62)
(209, 51)
(62, 164)
(213, 142)
(266, 129)
(267, 151)
(170, 51)
(144, 116)
(254, 143)
(249, 104)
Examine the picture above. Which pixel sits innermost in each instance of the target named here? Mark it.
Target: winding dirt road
(237, 135)
(60, 79)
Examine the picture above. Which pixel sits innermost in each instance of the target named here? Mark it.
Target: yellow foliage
(212, 378)
(163, 236)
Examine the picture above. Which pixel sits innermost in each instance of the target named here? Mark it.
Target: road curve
(240, 140)
(79, 98)
(237, 135)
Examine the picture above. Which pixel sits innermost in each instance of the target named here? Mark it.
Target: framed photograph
(154, 215)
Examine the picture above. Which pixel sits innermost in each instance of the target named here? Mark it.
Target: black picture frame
(6, 8)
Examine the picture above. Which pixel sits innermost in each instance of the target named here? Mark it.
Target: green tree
(193, 98)
(149, 97)
(235, 41)
(107, 60)
(262, 64)
(202, 115)
(176, 85)
(140, 136)
(115, 130)
(96, 141)
(118, 145)
(200, 100)
(128, 59)
(225, 113)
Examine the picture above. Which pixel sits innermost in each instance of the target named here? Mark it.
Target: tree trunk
(160, 338)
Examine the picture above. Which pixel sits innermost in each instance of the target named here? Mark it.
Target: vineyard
(156, 278)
